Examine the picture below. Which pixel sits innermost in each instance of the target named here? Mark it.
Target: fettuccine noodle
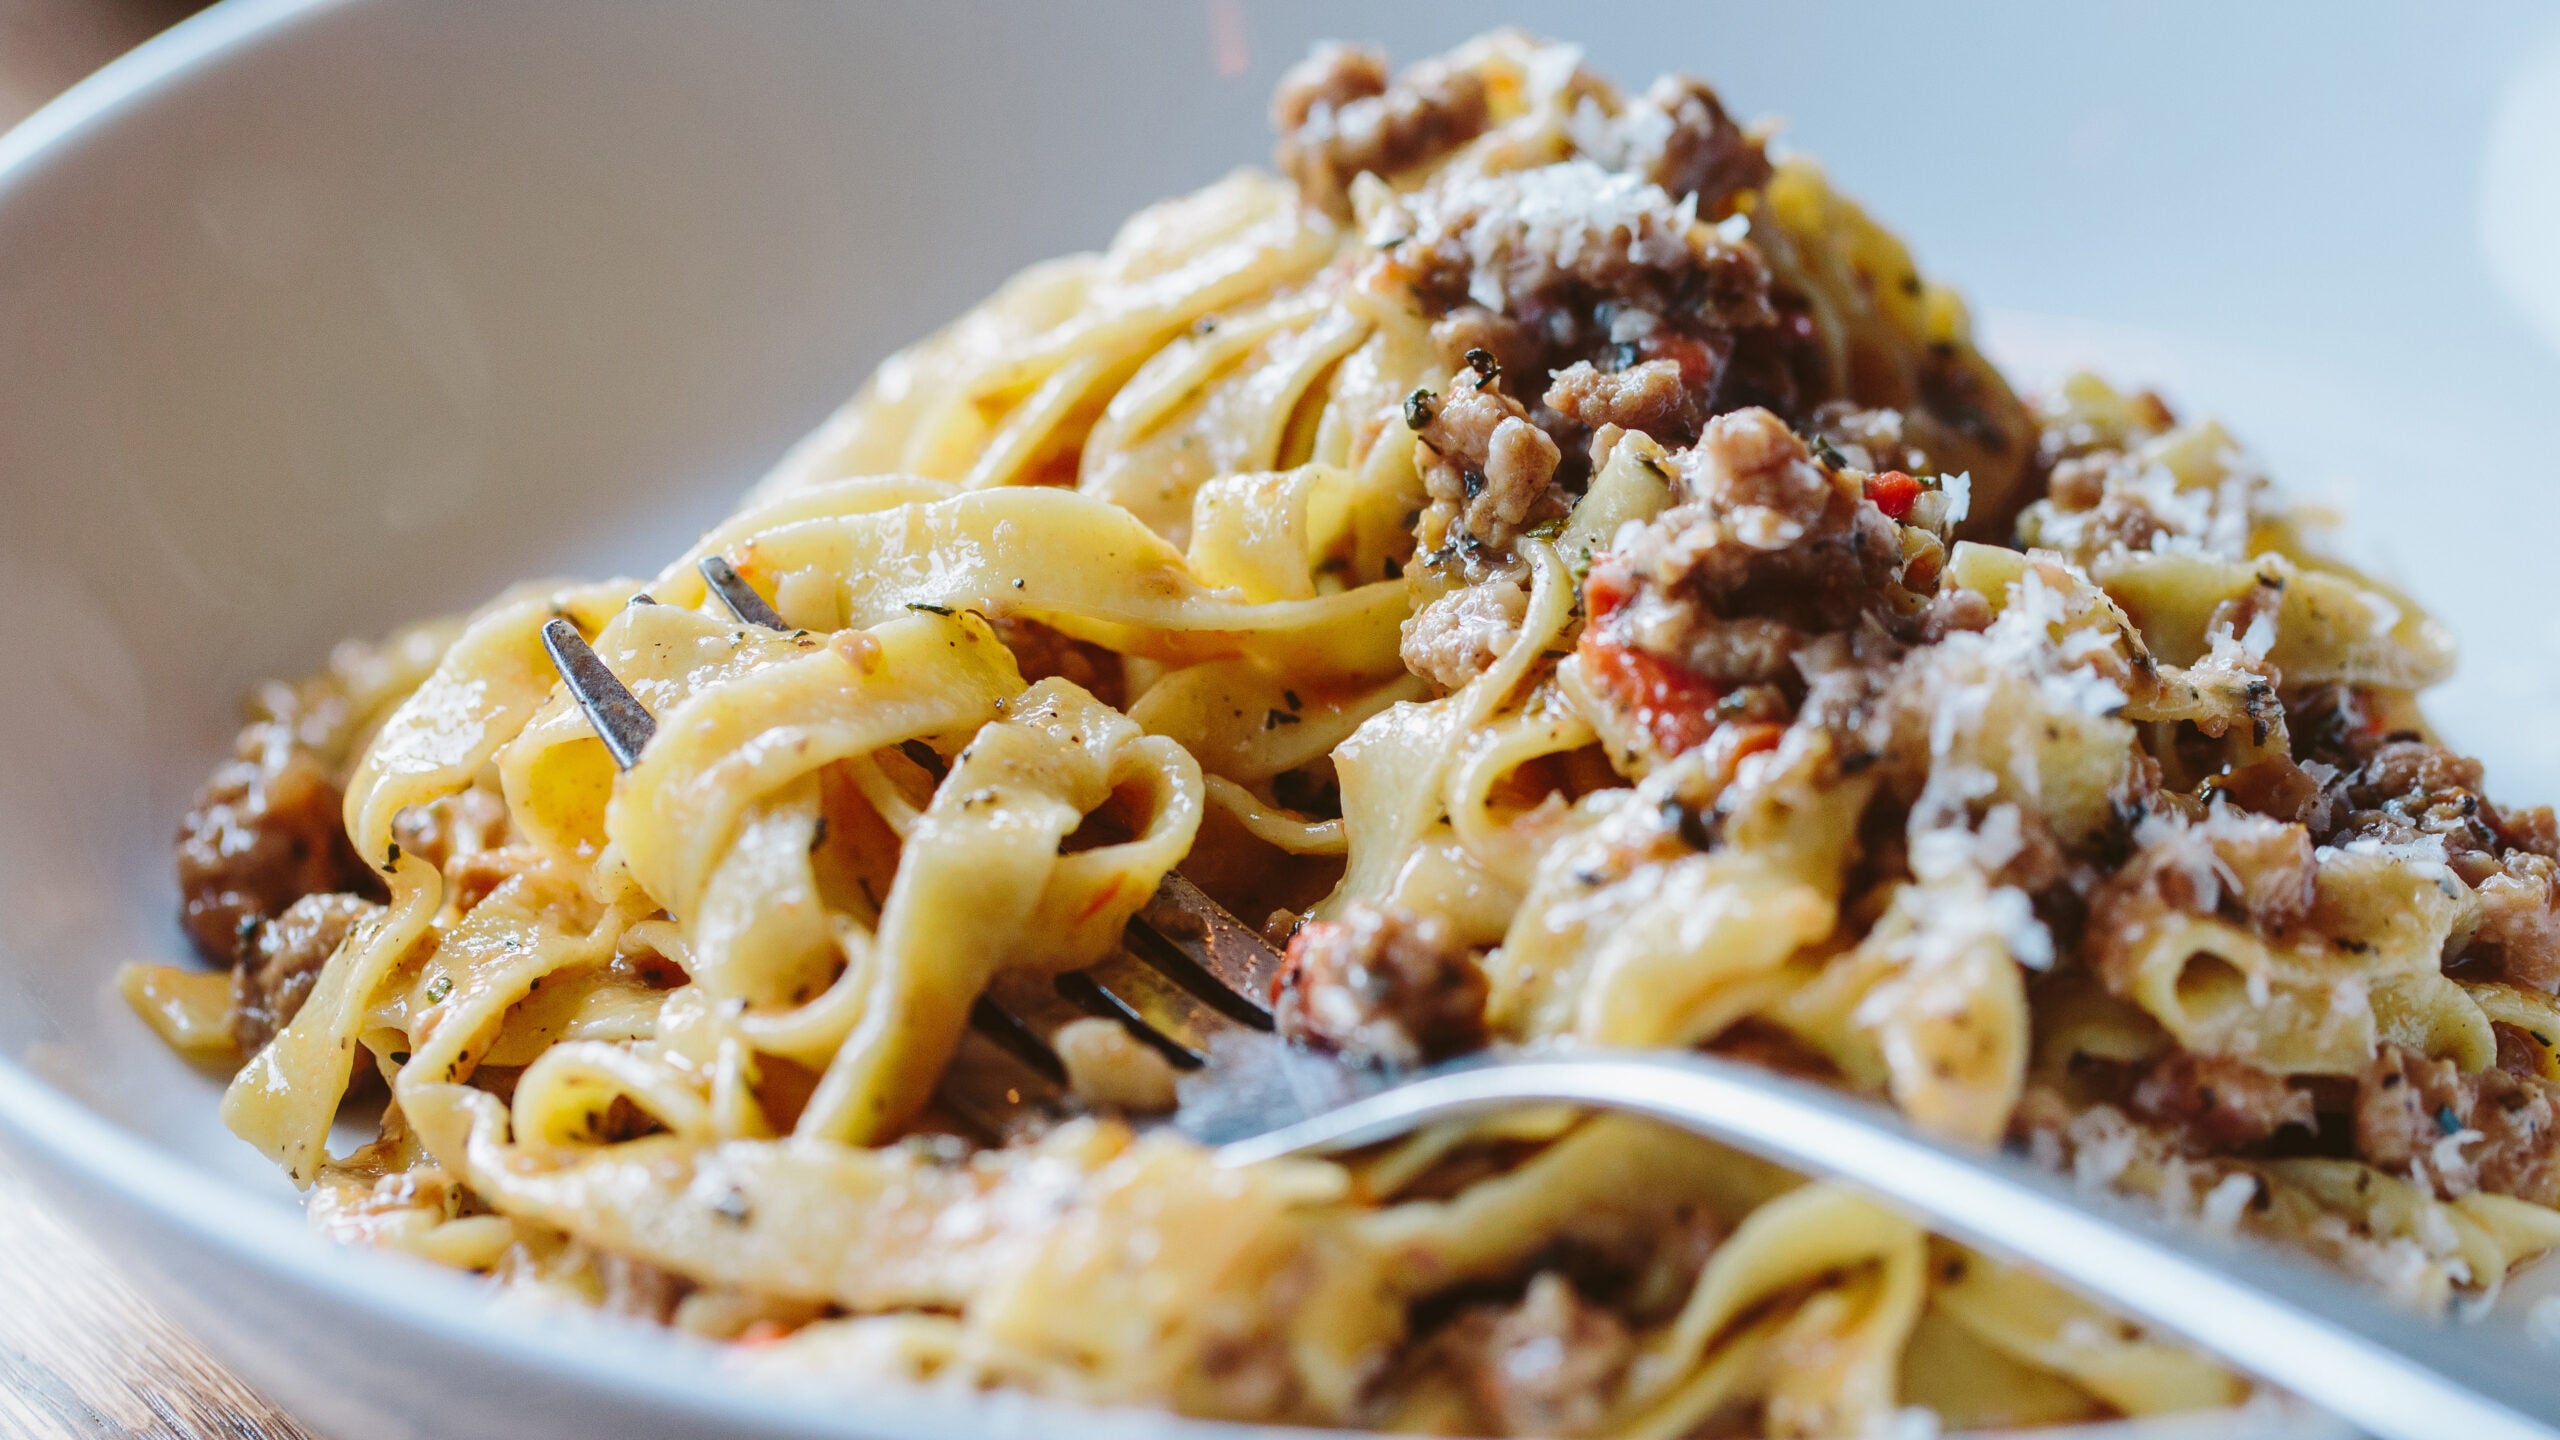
(1578, 578)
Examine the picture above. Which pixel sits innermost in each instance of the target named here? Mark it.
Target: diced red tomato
(1738, 740)
(1893, 493)
(1674, 707)
(1608, 588)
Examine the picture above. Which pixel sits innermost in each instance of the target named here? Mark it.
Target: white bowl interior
(318, 317)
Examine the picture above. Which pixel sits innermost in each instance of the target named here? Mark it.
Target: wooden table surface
(82, 1357)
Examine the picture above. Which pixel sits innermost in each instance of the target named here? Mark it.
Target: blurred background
(2331, 224)
(47, 44)
(2336, 223)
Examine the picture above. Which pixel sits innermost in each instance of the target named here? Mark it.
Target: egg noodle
(1578, 577)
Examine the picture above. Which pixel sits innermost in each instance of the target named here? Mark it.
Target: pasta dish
(1569, 569)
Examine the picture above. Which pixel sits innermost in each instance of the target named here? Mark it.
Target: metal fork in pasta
(1192, 981)
(1191, 977)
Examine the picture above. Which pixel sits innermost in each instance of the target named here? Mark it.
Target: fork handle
(2393, 1373)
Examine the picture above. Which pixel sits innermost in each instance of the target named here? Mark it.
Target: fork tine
(994, 1087)
(1207, 935)
(1031, 1073)
(741, 598)
(1175, 1021)
(1190, 973)
(621, 721)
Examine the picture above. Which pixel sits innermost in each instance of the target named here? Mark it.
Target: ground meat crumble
(1570, 265)
(2218, 1104)
(2408, 792)
(1699, 616)
(281, 962)
(2459, 1133)
(1382, 985)
(1339, 115)
(1549, 1364)
(266, 830)
(1457, 637)
(1488, 471)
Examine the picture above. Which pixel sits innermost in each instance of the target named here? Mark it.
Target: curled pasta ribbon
(2480, 1237)
(1394, 768)
(1273, 826)
(2032, 1320)
(565, 1096)
(1815, 1276)
(741, 741)
(982, 887)
(1634, 1168)
(2318, 1001)
(488, 682)
(1248, 722)
(2329, 626)
(1084, 565)
(1500, 842)
(1048, 1279)
(1930, 1006)
(1675, 952)
(1005, 376)
(1836, 1356)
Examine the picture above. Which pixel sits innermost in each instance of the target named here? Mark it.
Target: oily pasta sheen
(1570, 570)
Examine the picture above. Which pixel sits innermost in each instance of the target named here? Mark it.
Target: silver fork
(1193, 982)
(1204, 982)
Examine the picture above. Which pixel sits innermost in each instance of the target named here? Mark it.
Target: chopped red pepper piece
(1608, 588)
(1673, 706)
(1893, 493)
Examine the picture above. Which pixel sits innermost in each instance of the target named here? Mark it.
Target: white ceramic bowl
(317, 315)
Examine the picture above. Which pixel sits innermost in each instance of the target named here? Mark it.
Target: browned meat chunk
(1382, 984)
(265, 831)
(1457, 637)
(2410, 792)
(2519, 930)
(1678, 136)
(2492, 1131)
(1338, 115)
(1716, 598)
(1572, 261)
(1649, 397)
(1489, 472)
(1548, 1365)
(2232, 863)
(2217, 1104)
(282, 962)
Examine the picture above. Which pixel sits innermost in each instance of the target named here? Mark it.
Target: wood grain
(82, 1357)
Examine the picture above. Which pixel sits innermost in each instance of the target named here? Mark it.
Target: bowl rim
(676, 1375)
